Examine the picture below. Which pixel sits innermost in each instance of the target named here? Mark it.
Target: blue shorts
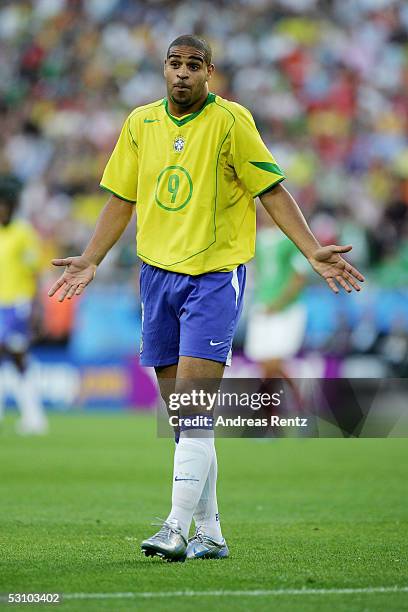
(191, 316)
(15, 327)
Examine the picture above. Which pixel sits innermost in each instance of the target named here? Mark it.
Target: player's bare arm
(288, 294)
(327, 260)
(81, 270)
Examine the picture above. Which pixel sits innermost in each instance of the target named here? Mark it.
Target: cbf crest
(178, 144)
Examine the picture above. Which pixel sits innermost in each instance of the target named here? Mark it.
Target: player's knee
(19, 360)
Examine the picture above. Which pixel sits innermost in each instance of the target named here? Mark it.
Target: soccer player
(277, 320)
(19, 259)
(193, 163)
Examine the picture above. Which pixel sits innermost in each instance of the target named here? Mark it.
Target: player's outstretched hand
(79, 272)
(328, 262)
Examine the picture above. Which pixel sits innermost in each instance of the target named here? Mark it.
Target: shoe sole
(153, 552)
(219, 556)
(207, 558)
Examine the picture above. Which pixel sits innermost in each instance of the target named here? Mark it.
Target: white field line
(230, 593)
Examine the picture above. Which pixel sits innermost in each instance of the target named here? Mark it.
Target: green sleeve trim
(117, 194)
(269, 167)
(271, 186)
(131, 136)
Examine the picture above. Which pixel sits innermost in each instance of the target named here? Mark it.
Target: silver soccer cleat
(168, 543)
(201, 546)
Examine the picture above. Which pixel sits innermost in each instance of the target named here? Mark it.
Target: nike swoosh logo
(201, 553)
(215, 343)
(177, 479)
(151, 120)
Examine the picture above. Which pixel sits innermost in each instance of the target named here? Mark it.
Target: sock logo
(217, 517)
(177, 479)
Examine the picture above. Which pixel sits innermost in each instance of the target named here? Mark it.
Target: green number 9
(173, 186)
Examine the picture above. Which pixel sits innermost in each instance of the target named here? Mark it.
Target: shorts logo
(212, 343)
(178, 144)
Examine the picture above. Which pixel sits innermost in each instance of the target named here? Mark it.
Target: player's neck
(179, 111)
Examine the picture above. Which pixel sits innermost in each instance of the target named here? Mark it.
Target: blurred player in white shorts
(277, 320)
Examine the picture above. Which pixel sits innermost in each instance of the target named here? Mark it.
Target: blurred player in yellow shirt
(19, 257)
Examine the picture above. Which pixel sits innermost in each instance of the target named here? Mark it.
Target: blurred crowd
(326, 81)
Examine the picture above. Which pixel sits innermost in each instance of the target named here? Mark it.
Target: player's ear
(210, 70)
(164, 67)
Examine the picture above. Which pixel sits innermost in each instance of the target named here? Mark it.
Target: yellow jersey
(19, 261)
(194, 180)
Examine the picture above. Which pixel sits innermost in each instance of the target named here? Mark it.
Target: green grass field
(320, 515)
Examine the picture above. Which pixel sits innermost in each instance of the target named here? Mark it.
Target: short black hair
(10, 189)
(190, 40)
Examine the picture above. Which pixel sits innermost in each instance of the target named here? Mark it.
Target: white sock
(192, 461)
(206, 515)
(32, 414)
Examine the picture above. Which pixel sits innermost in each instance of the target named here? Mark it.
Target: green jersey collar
(180, 122)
